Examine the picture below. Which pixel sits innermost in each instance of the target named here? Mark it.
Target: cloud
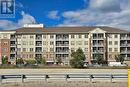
(105, 5)
(26, 19)
(5, 24)
(19, 5)
(53, 15)
(101, 12)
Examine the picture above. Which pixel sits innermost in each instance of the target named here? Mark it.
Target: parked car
(116, 64)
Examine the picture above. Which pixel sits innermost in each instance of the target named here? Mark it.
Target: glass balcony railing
(38, 44)
(38, 51)
(125, 45)
(98, 45)
(125, 51)
(125, 38)
(96, 51)
(62, 44)
(12, 44)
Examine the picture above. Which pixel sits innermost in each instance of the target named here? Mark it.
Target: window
(5, 35)
(79, 42)
(19, 49)
(5, 43)
(31, 49)
(86, 36)
(31, 43)
(116, 42)
(44, 36)
(72, 43)
(72, 49)
(31, 56)
(80, 36)
(5, 49)
(51, 55)
(31, 37)
(44, 42)
(110, 42)
(110, 35)
(85, 42)
(19, 42)
(110, 55)
(24, 42)
(51, 42)
(19, 37)
(51, 49)
(116, 49)
(19, 56)
(51, 36)
(85, 49)
(45, 49)
(72, 36)
(116, 36)
(24, 37)
(24, 49)
(110, 49)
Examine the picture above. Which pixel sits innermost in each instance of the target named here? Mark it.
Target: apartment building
(35, 40)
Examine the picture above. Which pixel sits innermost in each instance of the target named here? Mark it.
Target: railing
(98, 38)
(37, 38)
(38, 44)
(62, 39)
(12, 44)
(127, 52)
(98, 45)
(65, 77)
(62, 44)
(125, 45)
(125, 38)
(38, 51)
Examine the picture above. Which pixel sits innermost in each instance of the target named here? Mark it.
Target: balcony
(12, 38)
(62, 39)
(62, 51)
(98, 36)
(98, 45)
(38, 44)
(125, 45)
(12, 43)
(125, 38)
(12, 51)
(98, 51)
(12, 58)
(62, 44)
(39, 39)
(38, 51)
(125, 51)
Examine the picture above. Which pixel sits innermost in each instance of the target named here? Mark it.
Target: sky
(55, 13)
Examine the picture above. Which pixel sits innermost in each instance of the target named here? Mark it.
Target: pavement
(61, 71)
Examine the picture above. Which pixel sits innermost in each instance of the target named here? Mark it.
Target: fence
(65, 77)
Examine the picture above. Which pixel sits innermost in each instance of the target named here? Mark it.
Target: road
(66, 84)
(64, 71)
